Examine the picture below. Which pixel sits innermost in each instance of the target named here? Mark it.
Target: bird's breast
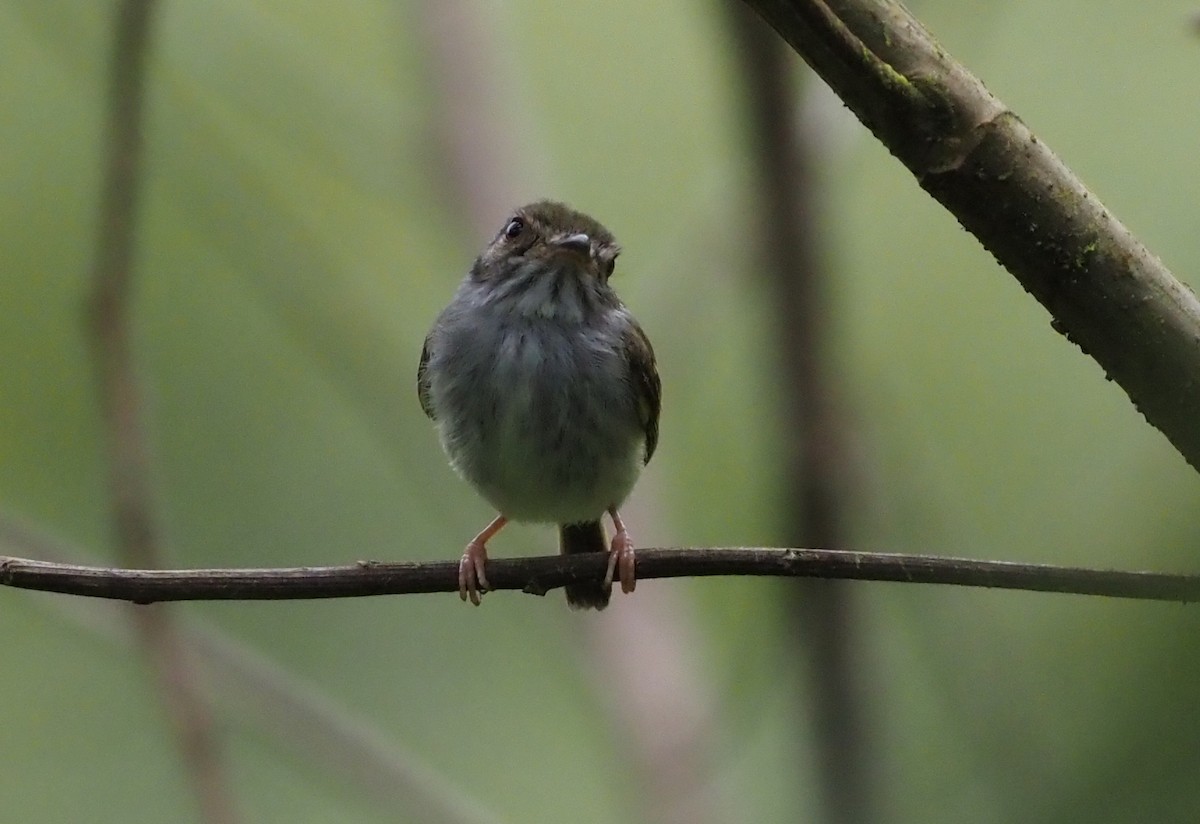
(547, 428)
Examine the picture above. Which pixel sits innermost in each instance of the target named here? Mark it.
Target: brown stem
(275, 703)
(1104, 291)
(539, 575)
(489, 154)
(128, 458)
(479, 148)
(787, 195)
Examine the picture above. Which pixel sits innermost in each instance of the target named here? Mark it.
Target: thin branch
(128, 460)
(490, 149)
(539, 575)
(1103, 289)
(273, 701)
(478, 139)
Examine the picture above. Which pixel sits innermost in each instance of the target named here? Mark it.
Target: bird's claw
(621, 562)
(471, 577)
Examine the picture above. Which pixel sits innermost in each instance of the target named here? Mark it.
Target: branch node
(534, 586)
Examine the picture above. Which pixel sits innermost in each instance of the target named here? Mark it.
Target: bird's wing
(423, 380)
(644, 377)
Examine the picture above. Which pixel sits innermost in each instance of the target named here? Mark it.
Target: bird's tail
(585, 537)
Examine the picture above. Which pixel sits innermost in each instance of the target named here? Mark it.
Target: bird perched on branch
(545, 391)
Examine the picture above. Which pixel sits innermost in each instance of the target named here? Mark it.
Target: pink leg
(621, 556)
(471, 577)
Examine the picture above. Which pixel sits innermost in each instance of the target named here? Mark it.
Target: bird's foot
(621, 557)
(472, 579)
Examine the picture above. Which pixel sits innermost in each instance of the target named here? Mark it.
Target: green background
(297, 235)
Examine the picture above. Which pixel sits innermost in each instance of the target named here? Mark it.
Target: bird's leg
(471, 577)
(621, 556)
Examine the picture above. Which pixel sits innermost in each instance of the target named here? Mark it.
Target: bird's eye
(608, 267)
(514, 228)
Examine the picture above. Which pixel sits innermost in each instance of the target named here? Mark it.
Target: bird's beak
(578, 242)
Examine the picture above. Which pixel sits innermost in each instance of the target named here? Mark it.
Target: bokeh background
(318, 177)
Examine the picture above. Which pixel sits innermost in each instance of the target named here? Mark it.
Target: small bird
(545, 391)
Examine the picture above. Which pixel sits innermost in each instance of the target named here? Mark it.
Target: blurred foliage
(294, 244)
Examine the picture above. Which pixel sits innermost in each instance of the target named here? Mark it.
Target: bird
(545, 391)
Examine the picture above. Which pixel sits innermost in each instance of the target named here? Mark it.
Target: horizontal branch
(539, 575)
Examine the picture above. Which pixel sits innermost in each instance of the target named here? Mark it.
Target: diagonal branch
(1104, 291)
(539, 575)
(128, 459)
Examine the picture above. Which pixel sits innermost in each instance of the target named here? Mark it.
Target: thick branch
(539, 575)
(1103, 289)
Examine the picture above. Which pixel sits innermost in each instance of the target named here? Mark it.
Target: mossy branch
(1105, 292)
